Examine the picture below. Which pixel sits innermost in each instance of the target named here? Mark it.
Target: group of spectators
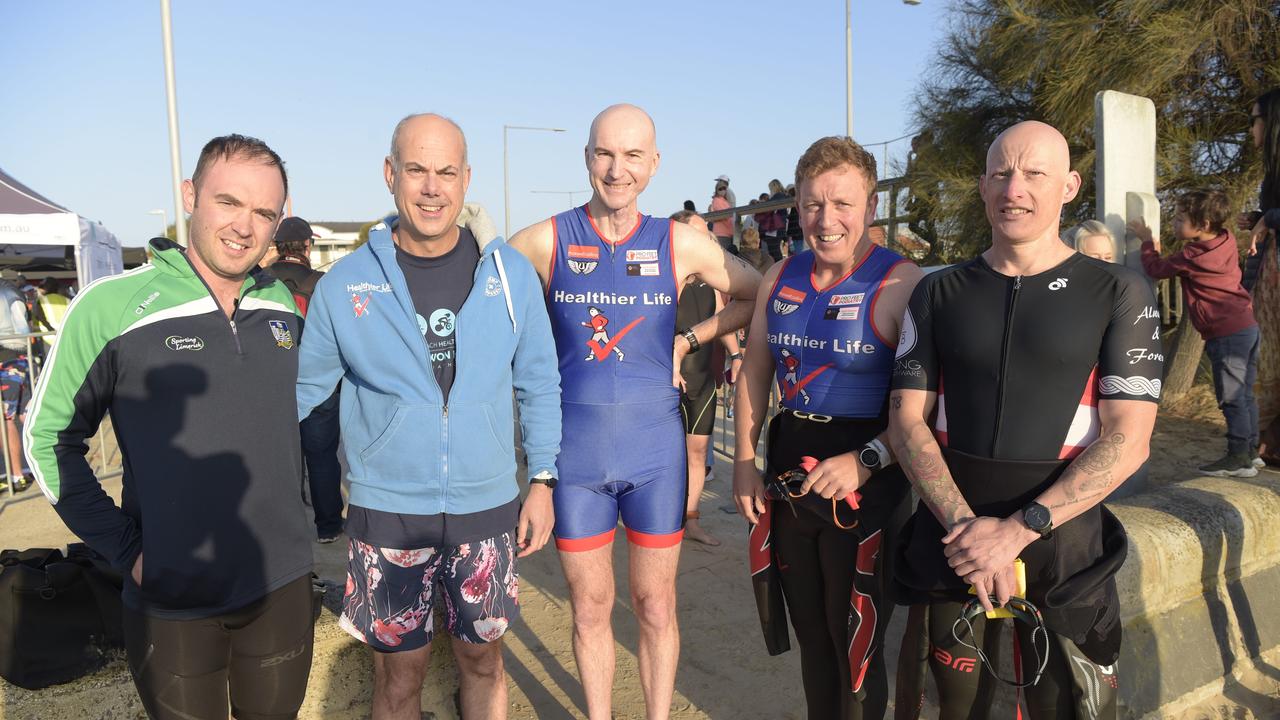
(772, 233)
(26, 308)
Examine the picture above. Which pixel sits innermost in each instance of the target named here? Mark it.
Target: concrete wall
(1200, 592)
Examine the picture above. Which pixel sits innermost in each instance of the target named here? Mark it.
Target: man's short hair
(395, 136)
(228, 147)
(1203, 208)
(833, 152)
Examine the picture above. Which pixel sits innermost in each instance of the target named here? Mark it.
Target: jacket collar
(170, 258)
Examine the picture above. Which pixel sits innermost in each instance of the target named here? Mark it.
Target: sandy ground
(724, 671)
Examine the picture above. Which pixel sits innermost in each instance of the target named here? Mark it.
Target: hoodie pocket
(385, 436)
(476, 448)
(406, 449)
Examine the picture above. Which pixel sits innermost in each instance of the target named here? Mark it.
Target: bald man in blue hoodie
(431, 327)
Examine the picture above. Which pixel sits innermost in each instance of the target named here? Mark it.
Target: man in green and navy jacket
(194, 355)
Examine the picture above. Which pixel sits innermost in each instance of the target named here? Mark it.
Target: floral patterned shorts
(390, 593)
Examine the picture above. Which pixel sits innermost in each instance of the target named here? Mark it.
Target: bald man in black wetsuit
(1048, 408)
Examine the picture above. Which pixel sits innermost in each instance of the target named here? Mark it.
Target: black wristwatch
(1038, 518)
(544, 479)
(692, 339)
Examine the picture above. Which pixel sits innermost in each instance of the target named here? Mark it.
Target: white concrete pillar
(1125, 134)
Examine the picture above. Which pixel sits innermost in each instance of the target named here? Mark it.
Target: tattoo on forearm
(1091, 475)
(1102, 455)
(896, 402)
(932, 479)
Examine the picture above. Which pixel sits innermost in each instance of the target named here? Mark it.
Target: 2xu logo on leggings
(284, 657)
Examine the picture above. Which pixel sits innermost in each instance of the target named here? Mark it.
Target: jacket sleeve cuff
(128, 555)
(539, 467)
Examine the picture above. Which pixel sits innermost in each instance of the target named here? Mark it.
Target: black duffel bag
(58, 614)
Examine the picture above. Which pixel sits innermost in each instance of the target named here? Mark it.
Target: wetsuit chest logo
(788, 300)
(583, 259)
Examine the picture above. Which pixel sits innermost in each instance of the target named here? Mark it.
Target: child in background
(1221, 311)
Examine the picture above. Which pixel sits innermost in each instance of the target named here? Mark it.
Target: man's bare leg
(590, 577)
(13, 443)
(696, 447)
(653, 595)
(482, 680)
(397, 683)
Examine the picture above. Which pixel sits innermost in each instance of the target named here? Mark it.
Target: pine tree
(1201, 61)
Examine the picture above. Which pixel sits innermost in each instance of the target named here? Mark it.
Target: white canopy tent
(34, 227)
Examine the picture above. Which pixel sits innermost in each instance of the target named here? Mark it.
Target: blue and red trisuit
(833, 371)
(613, 315)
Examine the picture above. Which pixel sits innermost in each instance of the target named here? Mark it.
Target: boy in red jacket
(1221, 311)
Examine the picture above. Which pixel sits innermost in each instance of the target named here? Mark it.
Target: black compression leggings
(820, 569)
(966, 690)
(261, 653)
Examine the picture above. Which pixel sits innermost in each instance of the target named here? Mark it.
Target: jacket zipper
(444, 403)
(235, 333)
(1004, 363)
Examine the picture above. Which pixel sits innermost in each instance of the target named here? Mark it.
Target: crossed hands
(981, 551)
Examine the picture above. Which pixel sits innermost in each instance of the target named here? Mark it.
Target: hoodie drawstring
(506, 295)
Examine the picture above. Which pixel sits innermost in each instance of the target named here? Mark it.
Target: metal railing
(35, 362)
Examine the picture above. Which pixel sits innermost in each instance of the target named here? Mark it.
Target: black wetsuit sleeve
(1132, 359)
(916, 366)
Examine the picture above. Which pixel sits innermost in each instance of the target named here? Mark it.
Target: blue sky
(739, 88)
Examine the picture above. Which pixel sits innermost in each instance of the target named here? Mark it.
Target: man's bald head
(622, 155)
(1027, 181)
(625, 118)
(429, 122)
(1032, 132)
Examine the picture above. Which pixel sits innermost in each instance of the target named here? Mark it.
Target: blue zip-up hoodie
(408, 452)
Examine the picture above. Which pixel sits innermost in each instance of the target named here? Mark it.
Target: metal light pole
(848, 64)
(506, 173)
(164, 220)
(848, 68)
(175, 158)
(570, 193)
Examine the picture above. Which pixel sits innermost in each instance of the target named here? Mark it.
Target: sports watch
(544, 478)
(691, 338)
(874, 455)
(1038, 518)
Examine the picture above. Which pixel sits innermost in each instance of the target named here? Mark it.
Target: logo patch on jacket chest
(177, 342)
(280, 331)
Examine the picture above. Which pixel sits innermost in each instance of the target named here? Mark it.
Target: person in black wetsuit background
(1050, 363)
(699, 301)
